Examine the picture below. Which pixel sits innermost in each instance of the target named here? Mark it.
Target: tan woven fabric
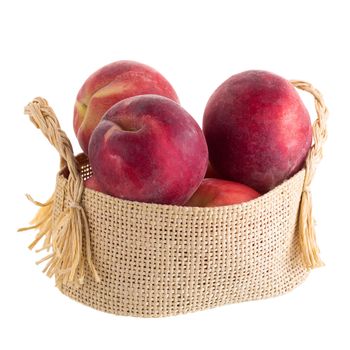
(151, 260)
(160, 260)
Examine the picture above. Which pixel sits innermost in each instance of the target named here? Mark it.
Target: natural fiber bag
(151, 260)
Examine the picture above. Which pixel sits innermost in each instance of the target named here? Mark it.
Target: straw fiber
(160, 260)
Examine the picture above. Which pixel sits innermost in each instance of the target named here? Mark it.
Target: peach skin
(109, 85)
(149, 149)
(92, 184)
(257, 129)
(217, 192)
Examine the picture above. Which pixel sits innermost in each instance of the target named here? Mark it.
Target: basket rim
(82, 160)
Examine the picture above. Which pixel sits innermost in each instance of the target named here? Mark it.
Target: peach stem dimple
(128, 125)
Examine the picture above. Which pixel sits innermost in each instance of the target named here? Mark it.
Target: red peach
(211, 172)
(92, 184)
(217, 192)
(109, 85)
(257, 129)
(149, 149)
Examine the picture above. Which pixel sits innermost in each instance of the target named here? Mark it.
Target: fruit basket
(151, 260)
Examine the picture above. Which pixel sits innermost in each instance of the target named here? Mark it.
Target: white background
(49, 48)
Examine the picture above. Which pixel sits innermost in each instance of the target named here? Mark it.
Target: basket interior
(83, 166)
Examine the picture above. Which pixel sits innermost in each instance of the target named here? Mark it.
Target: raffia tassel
(66, 262)
(310, 251)
(42, 222)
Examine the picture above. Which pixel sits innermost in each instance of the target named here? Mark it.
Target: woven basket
(151, 260)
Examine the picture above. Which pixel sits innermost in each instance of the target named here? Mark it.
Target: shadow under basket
(152, 260)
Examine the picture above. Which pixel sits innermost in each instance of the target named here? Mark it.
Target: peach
(257, 129)
(211, 172)
(92, 184)
(149, 149)
(218, 192)
(109, 85)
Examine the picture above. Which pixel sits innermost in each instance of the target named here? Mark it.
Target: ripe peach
(217, 192)
(149, 149)
(92, 184)
(211, 172)
(257, 129)
(109, 85)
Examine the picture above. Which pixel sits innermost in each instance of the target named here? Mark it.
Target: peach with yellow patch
(109, 85)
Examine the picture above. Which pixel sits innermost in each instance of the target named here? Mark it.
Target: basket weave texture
(160, 260)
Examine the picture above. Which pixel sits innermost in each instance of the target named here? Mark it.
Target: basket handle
(307, 236)
(65, 235)
(44, 118)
